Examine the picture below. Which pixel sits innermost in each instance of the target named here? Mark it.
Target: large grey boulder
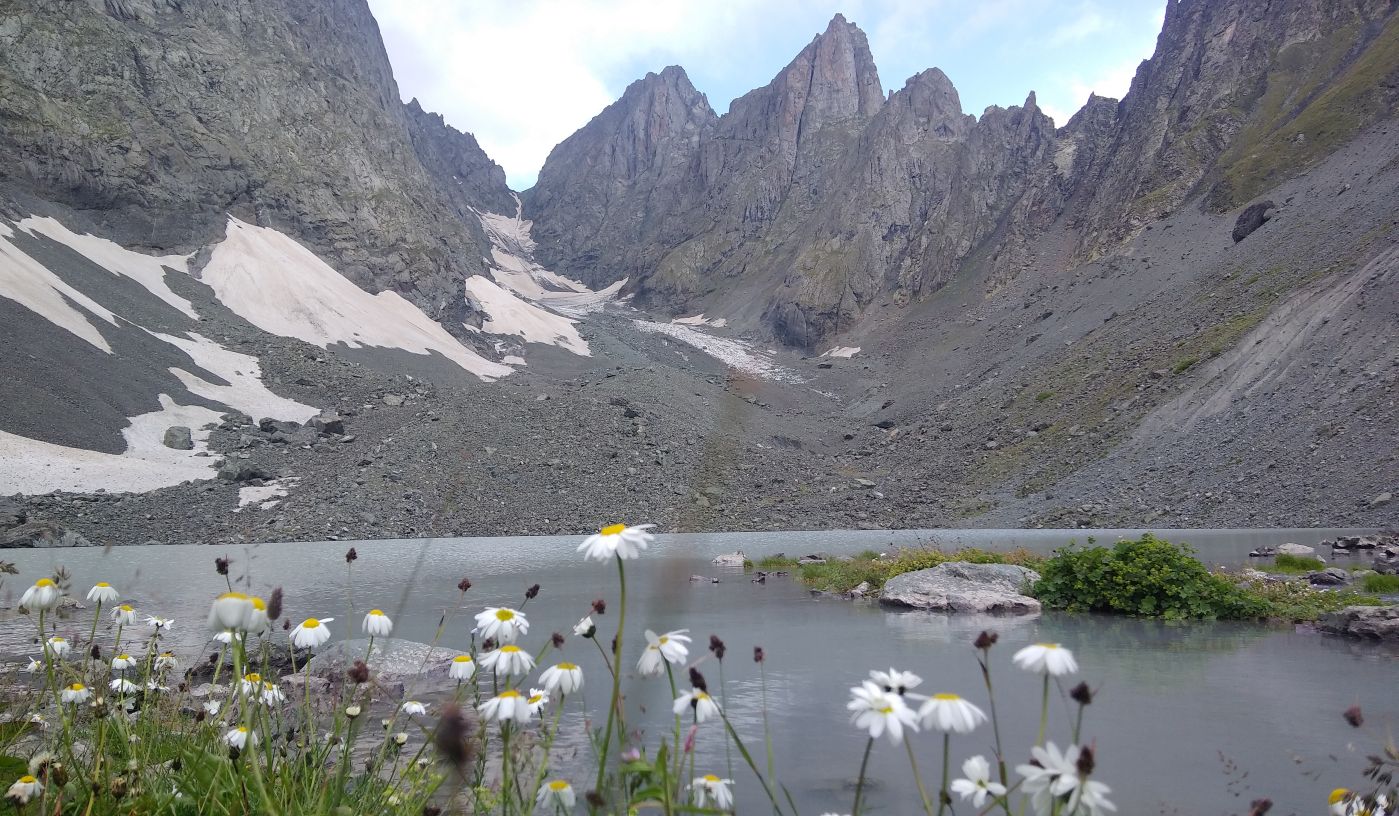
(12, 514)
(329, 423)
(958, 586)
(1295, 549)
(241, 470)
(178, 437)
(42, 534)
(393, 659)
(1387, 561)
(1252, 218)
(1372, 622)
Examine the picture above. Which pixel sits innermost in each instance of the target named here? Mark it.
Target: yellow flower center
(1047, 645)
(103, 584)
(126, 608)
(504, 615)
(613, 529)
(167, 654)
(663, 641)
(44, 582)
(567, 666)
(233, 596)
(699, 695)
(242, 729)
(376, 613)
(123, 657)
(887, 710)
(509, 648)
(310, 623)
(558, 786)
(253, 677)
(27, 779)
(77, 687)
(534, 698)
(1337, 795)
(946, 697)
(258, 603)
(509, 693)
(57, 639)
(462, 659)
(710, 778)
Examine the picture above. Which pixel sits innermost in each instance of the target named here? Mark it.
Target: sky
(522, 75)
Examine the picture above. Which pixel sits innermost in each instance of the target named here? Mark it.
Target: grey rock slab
(393, 659)
(958, 586)
(42, 534)
(178, 437)
(1370, 622)
(1295, 549)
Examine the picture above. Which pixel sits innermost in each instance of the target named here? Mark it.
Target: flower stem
(1044, 712)
(860, 783)
(943, 797)
(918, 778)
(616, 677)
(995, 721)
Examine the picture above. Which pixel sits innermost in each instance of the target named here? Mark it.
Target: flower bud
(351, 555)
(464, 584)
(1081, 694)
(600, 606)
(758, 654)
(358, 673)
(532, 592)
(221, 565)
(1354, 716)
(557, 640)
(986, 640)
(352, 711)
(1258, 807)
(1085, 762)
(697, 680)
(274, 604)
(717, 646)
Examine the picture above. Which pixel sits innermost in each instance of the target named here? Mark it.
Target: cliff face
(154, 118)
(814, 197)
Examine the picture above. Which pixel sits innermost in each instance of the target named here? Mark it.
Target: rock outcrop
(1367, 622)
(959, 586)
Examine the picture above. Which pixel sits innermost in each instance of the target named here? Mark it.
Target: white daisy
(413, 707)
(565, 678)
(230, 612)
(557, 794)
(41, 597)
(501, 623)
(537, 699)
(123, 686)
(1053, 774)
(977, 784)
(617, 540)
(24, 789)
(34, 666)
(58, 646)
(508, 705)
(700, 701)
(122, 662)
(508, 660)
(1092, 796)
(377, 624)
(124, 615)
(662, 649)
(228, 637)
(710, 788)
(896, 681)
(311, 633)
(240, 737)
(1046, 658)
(585, 627)
(877, 711)
(462, 667)
(163, 624)
(257, 615)
(949, 712)
(211, 707)
(102, 592)
(164, 661)
(75, 693)
(250, 685)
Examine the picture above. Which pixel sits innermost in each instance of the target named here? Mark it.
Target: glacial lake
(1196, 718)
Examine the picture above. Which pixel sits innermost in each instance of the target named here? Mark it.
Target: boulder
(270, 425)
(1387, 561)
(1372, 622)
(733, 559)
(241, 470)
(1381, 500)
(958, 586)
(1331, 576)
(393, 400)
(12, 514)
(1295, 549)
(178, 437)
(327, 423)
(42, 534)
(393, 660)
(1252, 218)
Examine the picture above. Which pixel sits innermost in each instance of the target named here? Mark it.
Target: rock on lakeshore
(958, 586)
(1371, 622)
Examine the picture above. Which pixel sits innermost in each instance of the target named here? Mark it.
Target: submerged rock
(1373, 622)
(958, 586)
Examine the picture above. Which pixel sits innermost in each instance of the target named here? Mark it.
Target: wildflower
(123, 686)
(1046, 658)
(351, 555)
(462, 667)
(700, 701)
(508, 660)
(1054, 776)
(160, 623)
(412, 707)
(122, 662)
(400, 739)
(258, 619)
(271, 694)
(977, 784)
(538, 698)
(311, 633)
(501, 623)
(585, 627)
(556, 795)
(377, 624)
(717, 647)
(230, 612)
(75, 693)
(877, 711)
(353, 711)
(41, 597)
(124, 615)
(239, 737)
(154, 685)
(709, 788)
(662, 649)
(565, 678)
(24, 789)
(59, 646)
(949, 712)
(211, 707)
(102, 592)
(228, 637)
(250, 684)
(164, 661)
(617, 540)
(508, 705)
(895, 681)
(34, 666)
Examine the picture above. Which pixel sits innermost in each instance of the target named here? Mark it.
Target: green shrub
(1044, 395)
(1148, 577)
(1381, 584)
(1184, 364)
(1297, 564)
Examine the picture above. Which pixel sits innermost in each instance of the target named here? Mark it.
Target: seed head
(1085, 761)
(274, 604)
(758, 654)
(351, 555)
(717, 646)
(488, 644)
(358, 673)
(600, 606)
(1258, 807)
(464, 584)
(1354, 716)
(96, 652)
(221, 565)
(532, 592)
(453, 737)
(286, 624)
(594, 800)
(986, 640)
(1082, 694)
(557, 640)
(697, 680)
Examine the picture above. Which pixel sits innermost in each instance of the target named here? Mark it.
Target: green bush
(1148, 577)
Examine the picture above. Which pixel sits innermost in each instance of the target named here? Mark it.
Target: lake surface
(1190, 718)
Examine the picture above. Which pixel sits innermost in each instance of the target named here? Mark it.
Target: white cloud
(1087, 22)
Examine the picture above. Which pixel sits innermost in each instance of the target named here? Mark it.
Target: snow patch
(842, 351)
(734, 353)
(512, 253)
(147, 270)
(32, 467)
(245, 391)
(31, 285)
(281, 287)
(701, 320)
(508, 314)
(267, 496)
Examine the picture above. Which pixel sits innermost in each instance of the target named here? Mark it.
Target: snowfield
(512, 250)
(508, 314)
(735, 354)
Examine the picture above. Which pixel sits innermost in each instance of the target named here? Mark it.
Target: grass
(1380, 584)
(1298, 602)
(772, 562)
(1297, 564)
(844, 574)
(1043, 396)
